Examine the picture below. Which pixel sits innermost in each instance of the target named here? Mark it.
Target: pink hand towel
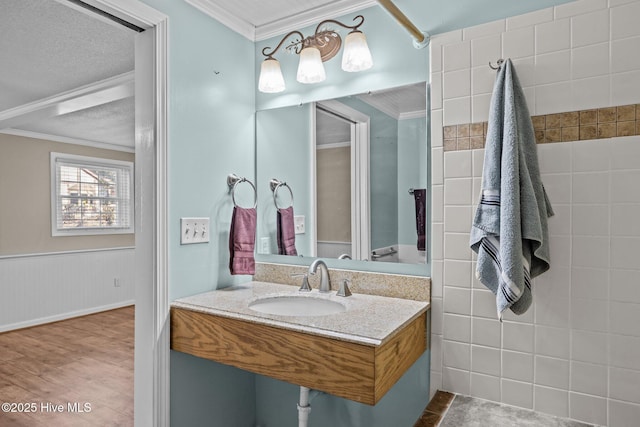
(242, 239)
(286, 232)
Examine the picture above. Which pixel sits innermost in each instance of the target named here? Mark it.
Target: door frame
(151, 364)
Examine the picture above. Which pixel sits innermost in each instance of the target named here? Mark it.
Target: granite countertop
(369, 320)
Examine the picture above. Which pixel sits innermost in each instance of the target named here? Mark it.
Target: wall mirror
(353, 165)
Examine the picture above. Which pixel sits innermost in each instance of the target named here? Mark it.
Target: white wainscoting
(42, 288)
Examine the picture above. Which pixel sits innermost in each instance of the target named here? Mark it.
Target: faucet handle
(305, 287)
(344, 290)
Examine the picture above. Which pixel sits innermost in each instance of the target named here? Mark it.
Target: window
(90, 195)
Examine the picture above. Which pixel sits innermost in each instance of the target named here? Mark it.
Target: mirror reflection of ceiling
(405, 102)
(52, 48)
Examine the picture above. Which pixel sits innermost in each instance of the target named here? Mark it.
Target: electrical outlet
(265, 243)
(194, 230)
(116, 282)
(298, 222)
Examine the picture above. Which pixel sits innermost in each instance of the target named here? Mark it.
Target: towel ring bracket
(233, 181)
(275, 185)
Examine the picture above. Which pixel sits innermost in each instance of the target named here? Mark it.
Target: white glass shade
(356, 55)
(271, 80)
(310, 68)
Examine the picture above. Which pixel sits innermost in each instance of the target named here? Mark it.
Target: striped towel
(509, 231)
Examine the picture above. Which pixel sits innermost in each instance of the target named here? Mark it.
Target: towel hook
(234, 180)
(496, 67)
(275, 185)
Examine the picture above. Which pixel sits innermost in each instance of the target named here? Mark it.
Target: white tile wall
(579, 7)
(623, 384)
(456, 56)
(553, 36)
(457, 355)
(625, 88)
(486, 49)
(590, 61)
(517, 366)
(587, 408)
(621, 61)
(551, 401)
(485, 386)
(624, 22)
(456, 380)
(553, 342)
(576, 352)
(623, 413)
(456, 84)
(588, 378)
(518, 43)
(530, 19)
(485, 360)
(517, 393)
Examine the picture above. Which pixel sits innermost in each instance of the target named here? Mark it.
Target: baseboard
(64, 316)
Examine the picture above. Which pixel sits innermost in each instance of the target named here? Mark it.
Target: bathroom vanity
(358, 352)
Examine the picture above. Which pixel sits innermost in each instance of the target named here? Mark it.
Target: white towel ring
(275, 186)
(233, 181)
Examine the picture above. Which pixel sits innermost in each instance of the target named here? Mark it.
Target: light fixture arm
(333, 21)
(296, 44)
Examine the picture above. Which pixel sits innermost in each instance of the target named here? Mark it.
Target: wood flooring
(77, 372)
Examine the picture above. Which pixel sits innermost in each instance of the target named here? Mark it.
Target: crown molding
(311, 17)
(234, 22)
(280, 26)
(68, 140)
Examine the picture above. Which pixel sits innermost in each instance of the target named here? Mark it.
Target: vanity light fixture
(323, 45)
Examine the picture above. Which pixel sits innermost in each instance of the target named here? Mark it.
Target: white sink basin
(296, 305)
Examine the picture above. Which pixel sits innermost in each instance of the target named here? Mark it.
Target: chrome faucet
(325, 281)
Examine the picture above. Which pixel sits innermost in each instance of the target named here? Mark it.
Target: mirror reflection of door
(342, 181)
(333, 184)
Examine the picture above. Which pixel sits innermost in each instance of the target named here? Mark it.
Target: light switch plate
(194, 230)
(298, 222)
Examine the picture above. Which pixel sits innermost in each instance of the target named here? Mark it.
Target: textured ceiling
(110, 123)
(48, 48)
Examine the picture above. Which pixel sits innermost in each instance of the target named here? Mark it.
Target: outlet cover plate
(194, 230)
(298, 222)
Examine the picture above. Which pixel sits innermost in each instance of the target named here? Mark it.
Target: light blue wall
(283, 144)
(211, 134)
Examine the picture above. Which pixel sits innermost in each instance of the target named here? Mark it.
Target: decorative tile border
(581, 125)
